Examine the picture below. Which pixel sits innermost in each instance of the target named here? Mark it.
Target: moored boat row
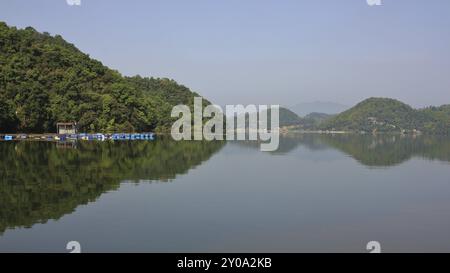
(82, 136)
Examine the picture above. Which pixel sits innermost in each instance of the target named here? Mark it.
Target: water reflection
(369, 150)
(42, 180)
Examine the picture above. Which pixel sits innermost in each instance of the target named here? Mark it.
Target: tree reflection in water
(44, 180)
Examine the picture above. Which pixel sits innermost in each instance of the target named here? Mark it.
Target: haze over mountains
(303, 109)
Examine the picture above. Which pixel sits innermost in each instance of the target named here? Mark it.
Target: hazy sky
(256, 51)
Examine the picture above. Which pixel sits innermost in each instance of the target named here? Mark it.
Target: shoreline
(282, 131)
(75, 137)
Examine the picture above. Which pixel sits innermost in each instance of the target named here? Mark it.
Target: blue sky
(257, 51)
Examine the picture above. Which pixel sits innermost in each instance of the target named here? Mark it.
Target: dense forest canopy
(45, 80)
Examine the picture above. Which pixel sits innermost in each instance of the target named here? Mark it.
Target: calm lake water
(317, 193)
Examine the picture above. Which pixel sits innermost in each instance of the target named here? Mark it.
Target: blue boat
(61, 137)
(100, 137)
(82, 135)
(117, 136)
(135, 136)
(120, 137)
(72, 137)
(148, 136)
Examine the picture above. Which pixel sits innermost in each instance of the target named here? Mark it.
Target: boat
(115, 137)
(61, 137)
(148, 136)
(103, 137)
(135, 136)
(100, 137)
(83, 136)
(72, 137)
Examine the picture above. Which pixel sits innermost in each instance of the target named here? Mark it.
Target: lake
(316, 193)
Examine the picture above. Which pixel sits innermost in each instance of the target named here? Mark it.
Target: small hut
(66, 128)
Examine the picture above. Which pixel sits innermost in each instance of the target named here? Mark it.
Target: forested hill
(389, 115)
(45, 80)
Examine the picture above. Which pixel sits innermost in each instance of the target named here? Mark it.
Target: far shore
(317, 132)
(282, 131)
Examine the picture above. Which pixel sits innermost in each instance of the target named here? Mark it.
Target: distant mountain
(303, 109)
(314, 120)
(389, 115)
(287, 117)
(290, 119)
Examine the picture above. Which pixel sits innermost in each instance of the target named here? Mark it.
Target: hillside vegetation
(389, 115)
(287, 117)
(45, 80)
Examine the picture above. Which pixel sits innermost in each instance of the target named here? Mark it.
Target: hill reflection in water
(40, 181)
(369, 150)
(43, 180)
